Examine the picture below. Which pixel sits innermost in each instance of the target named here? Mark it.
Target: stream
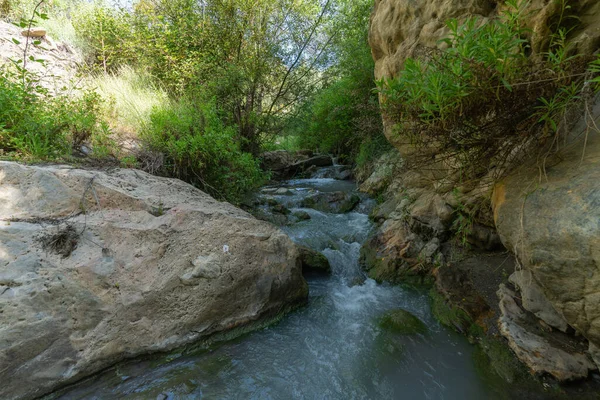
(331, 349)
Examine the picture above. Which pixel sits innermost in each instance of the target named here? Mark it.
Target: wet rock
(535, 301)
(322, 160)
(313, 261)
(302, 215)
(280, 209)
(344, 175)
(540, 356)
(402, 322)
(332, 202)
(283, 192)
(457, 302)
(383, 174)
(137, 282)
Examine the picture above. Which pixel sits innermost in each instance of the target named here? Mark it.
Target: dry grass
(131, 96)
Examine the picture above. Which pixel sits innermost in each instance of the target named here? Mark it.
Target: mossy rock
(402, 322)
(302, 215)
(454, 318)
(313, 261)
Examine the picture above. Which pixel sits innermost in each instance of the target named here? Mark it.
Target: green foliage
(344, 118)
(482, 100)
(107, 36)
(199, 149)
(35, 125)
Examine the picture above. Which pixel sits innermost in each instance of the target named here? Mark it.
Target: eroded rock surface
(538, 353)
(552, 223)
(535, 301)
(155, 264)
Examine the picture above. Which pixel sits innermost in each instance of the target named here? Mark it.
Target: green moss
(454, 318)
(402, 322)
(314, 261)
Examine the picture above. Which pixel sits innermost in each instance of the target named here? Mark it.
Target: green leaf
(15, 41)
(37, 42)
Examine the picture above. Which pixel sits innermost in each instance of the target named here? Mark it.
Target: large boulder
(550, 218)
(97, 267)
(277, 160)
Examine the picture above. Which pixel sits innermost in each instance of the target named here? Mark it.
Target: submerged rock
(302, 215)
(402, 322)
(332, 202)
(313, 261)
(157, 265)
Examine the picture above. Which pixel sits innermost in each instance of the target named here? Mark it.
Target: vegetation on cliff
(484, 102)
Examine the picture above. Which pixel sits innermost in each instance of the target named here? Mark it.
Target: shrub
(197, 147)
(482, 102)
(38, 126)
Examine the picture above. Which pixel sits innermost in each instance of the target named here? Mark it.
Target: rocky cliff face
(97, 267)
(548, 217)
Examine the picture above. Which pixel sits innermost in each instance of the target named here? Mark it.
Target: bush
(37, 126)
(196, 147)
(482, 102)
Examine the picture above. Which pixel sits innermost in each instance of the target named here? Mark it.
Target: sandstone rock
(536, 352)
(535, 301)
(61, 63)
(392, 252)
(313, 261)
(400, 27)
(332, 202)
(34, 32)
(551, 222)
(157, 265)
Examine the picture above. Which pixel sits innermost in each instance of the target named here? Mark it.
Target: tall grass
(131, 96)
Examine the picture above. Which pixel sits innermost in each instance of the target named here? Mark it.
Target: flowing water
(331, 349)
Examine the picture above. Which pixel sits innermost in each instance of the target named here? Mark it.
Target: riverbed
(333, 348)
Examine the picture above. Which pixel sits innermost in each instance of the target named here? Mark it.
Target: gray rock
(277, 160)
(533, 350)
(535, 301)
(553, 227)
(137, 282)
